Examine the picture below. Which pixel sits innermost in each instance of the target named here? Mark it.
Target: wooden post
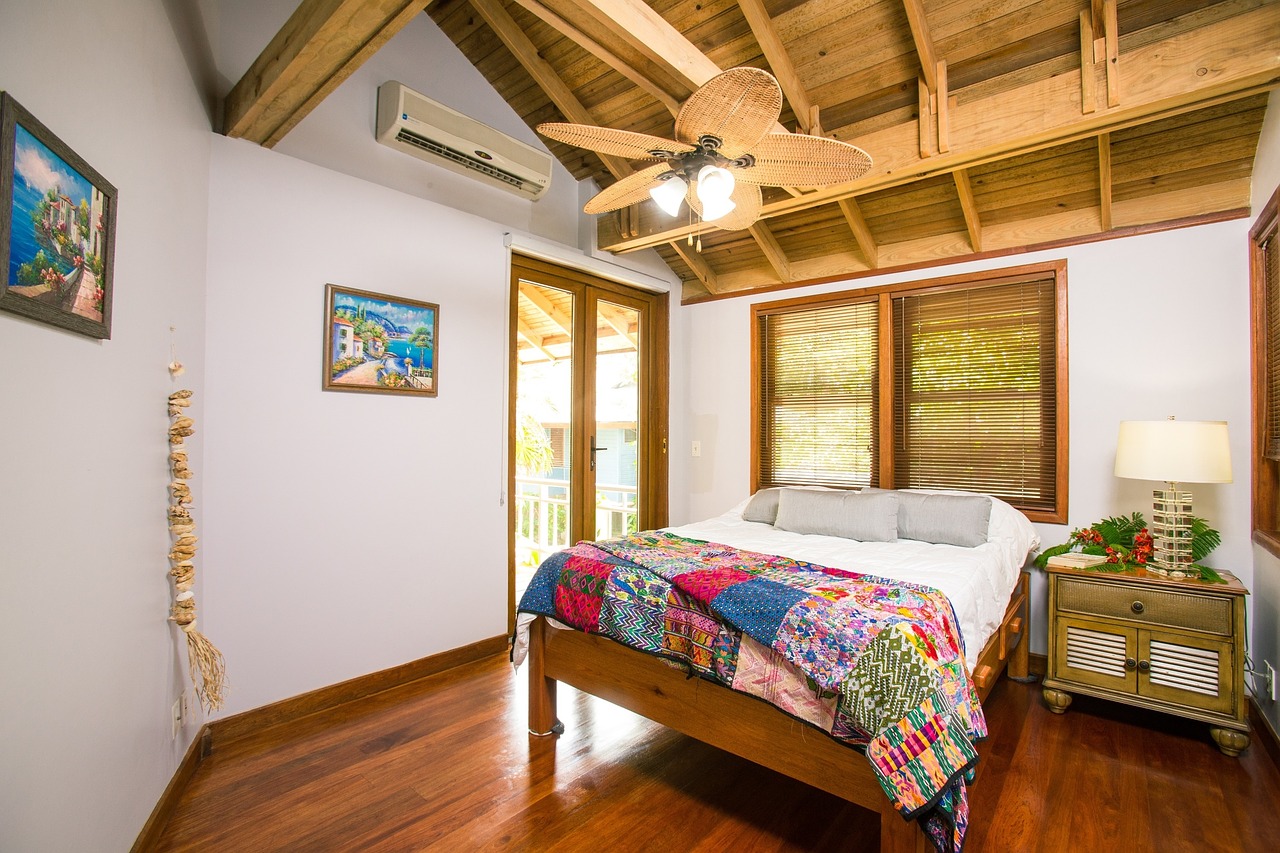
(1020, 663)
(542, 690)
(898, 835)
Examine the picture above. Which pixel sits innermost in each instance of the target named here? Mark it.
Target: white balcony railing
(542, 515)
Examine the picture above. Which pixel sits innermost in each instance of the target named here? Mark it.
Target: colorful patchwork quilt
(875, 663)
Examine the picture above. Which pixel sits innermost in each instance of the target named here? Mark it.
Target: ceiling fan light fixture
(669, 194)
(715, 186)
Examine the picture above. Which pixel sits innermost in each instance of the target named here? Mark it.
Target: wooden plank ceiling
(994, 125)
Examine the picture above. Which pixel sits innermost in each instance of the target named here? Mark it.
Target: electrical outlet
(1271, 679)
(177, 716)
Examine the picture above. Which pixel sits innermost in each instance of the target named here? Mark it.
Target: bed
(839, 541)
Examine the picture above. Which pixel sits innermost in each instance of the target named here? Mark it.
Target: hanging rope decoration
(207, 667)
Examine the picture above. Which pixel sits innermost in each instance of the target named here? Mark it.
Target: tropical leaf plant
(1125, 542)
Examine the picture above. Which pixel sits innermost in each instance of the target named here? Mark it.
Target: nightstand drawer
(1194, 612)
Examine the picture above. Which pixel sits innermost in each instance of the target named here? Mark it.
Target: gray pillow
(866, 517)
(944, 519)
(762, 507)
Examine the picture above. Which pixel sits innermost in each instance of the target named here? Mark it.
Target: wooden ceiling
(994, 125)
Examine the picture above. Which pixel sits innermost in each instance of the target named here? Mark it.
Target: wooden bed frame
(736, 722)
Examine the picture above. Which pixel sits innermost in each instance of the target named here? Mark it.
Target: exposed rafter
(861, 232)
(772, 251)
(599, 51)
(546, 308)
(923, 41)
(505, 27)
(780, 62)
(972, 222)
(616, 318)
(532, 339)
(321, 45)
(1164, 82)
(1104, 179)
(699, 266)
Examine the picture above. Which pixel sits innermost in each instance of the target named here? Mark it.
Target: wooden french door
(588, 412)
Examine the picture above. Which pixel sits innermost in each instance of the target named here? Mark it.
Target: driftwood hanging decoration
(207, 667)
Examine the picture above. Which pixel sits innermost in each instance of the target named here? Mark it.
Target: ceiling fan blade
(607, 140)
(798, 160)
(631, 189)
(738, 107)
(747, 201)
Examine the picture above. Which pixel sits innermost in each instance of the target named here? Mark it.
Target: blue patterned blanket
(876, 663)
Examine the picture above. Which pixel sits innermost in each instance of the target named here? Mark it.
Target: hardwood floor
(447, 764)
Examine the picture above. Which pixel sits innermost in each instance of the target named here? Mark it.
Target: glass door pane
(614, 448)
(544, 418)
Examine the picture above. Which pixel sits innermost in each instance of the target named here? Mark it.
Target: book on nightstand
(1077, 561)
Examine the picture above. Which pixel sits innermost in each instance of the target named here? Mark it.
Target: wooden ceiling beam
(532, 339)
(1104, 179)
(772, 251)
(923, 41)
(699, 266)
(1164, 78)
(599, 51)
(616, 318)
(861, 232)
(320, 46)
(524, 50)
(972, 222)
(779, 59)
(548, 309)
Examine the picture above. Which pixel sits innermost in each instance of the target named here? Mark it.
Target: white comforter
(978, 581)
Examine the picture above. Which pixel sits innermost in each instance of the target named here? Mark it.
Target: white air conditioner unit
(414, 123)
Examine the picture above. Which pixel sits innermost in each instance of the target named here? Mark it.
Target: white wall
(348, 532)
(89, 666)
(1266, 568)
(1145, 342)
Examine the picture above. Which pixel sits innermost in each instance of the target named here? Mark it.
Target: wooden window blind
(818, 406)
(975, 392)
(1270, 270)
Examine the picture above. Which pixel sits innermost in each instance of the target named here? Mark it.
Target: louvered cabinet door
(1185, 670)
(1096, 653)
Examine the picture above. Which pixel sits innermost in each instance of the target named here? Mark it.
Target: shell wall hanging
(207, 667)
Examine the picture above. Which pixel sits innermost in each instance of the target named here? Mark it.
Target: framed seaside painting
(57, 228)
(379, 344)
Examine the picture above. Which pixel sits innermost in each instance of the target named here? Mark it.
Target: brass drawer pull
(1137, 607)
(1130, 664)
(1144, 666)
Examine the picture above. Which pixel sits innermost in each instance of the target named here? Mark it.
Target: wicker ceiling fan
(723, 155)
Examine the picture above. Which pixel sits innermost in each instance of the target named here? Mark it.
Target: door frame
(653, 390)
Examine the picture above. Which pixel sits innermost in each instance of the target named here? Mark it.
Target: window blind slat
(975, 391)
(1271, 283)
(819, 379)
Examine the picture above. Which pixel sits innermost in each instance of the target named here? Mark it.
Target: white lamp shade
(670, 195)
(1174, 451)
(715, 185)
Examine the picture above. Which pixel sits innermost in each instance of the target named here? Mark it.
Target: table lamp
(1176, 452)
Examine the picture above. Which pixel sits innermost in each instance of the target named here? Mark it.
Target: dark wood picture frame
(380, 344)
(57, 228)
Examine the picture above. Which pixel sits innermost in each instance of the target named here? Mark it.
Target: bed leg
(898, 835)
(1020, 663)
(542, 690)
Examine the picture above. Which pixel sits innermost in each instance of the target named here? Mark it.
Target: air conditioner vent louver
(440, 150)
(417, 125)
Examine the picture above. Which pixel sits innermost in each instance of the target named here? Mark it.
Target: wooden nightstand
(1169, 645)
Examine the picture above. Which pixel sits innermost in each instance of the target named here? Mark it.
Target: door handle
(593, 452)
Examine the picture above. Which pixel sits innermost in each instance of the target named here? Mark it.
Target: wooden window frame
(1057, 270)
(1265, 472)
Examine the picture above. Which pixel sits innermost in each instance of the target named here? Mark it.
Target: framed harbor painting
(380, 344)
(57, 228)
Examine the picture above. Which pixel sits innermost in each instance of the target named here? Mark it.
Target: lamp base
(1171, 534)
